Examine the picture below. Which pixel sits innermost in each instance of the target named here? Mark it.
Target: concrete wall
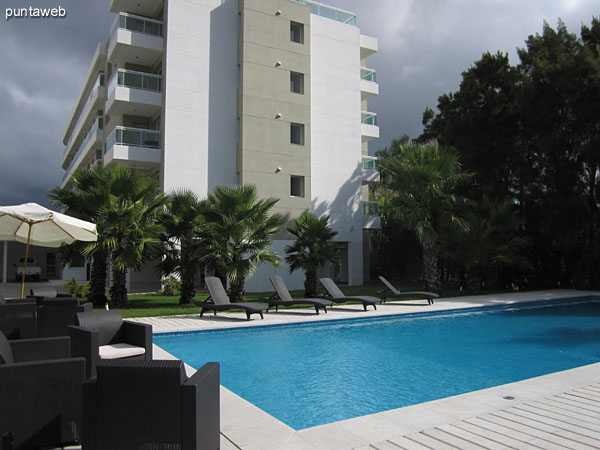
(260, 281)
(186, 94)
(336, 134)
(224, 78)
(267, 107)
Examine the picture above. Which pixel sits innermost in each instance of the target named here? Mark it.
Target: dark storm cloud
(43, 65)
(424, 45)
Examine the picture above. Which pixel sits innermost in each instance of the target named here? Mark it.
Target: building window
(297, 82)
(297, 133)
(296, 186)
(297, 32)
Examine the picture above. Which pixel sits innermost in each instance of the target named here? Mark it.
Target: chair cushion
(6, 354)
(121, 350)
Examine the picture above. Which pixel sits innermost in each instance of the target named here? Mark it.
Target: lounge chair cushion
(121, 350)
(6, 354)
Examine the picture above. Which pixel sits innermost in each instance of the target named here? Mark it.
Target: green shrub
(80, 290)
(171, 286)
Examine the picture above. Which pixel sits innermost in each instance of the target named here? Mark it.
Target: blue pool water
(307, 375)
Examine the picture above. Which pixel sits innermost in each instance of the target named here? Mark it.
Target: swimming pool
(311, 374)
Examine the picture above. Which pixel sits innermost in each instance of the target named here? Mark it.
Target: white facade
(187, 125)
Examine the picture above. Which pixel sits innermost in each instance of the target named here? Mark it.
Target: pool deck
(559, 410)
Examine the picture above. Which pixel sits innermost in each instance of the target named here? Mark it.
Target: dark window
(296, 186)
(297, 32)
(297, 133)
(297, 82)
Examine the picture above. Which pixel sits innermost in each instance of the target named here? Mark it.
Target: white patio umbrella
(33, 224)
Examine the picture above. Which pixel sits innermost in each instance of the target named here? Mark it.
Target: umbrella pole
(25, 263)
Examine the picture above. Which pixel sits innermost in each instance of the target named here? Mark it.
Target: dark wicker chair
(337, 296)
(105, 335)
(18, 319)
(56, 314)
(151, 405)
(40, 393)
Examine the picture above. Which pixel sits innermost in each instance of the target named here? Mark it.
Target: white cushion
(115, 351)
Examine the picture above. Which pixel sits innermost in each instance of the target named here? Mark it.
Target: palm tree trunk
(236, 292)
(431, 274)
(188, 291)
(97, 293)
(310, 284)
(118, 290)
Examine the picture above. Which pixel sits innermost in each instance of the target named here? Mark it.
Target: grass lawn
(154, 304)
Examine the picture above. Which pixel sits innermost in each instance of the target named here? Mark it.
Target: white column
(5, 263)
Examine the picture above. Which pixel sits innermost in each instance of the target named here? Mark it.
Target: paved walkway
(567, 420)
(560, 410)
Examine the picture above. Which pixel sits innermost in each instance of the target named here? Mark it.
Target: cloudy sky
(424, 45)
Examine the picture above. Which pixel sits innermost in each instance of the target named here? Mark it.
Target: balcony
(368, 83)
(93, 103)
(134, 93)
(368, 46)
(370, 174)
(92, 142)
(371, 221)
(319, 9)
(135, 39)
(133, 147)
(369, 128)
(146, 8)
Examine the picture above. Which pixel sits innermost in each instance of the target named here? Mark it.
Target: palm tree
(183, 247)
(239, 229)
(423, 178)
(129, 224)
(312, 248)
(89, 192)
(495, 241)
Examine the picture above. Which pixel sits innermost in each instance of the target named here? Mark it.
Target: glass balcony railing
(369, 118)
(370, 208)
(368, 75)
(97, 125)
(329, 12)
(138, 24)
(133, 137)
(136, 80)
(369, 163)
(99, 82)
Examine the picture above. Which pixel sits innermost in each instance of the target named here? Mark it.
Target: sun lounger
(337, 296)
(282, 297)
(392, 292)
(218, 300)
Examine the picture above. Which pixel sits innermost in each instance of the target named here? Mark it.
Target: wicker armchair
(56, 314)
(40, 393)
(105, 335)
(150, 405)
(18, 319)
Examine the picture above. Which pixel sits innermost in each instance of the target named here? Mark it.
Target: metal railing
(99, 82)
(138, 24)
(370, 208)
(329, 12)
(97, 125)
(369, 163)
(136, 80)
(368, 74)
(368, 118)
(133, 137)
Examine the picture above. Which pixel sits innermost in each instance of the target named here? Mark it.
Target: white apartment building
(267, 92)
